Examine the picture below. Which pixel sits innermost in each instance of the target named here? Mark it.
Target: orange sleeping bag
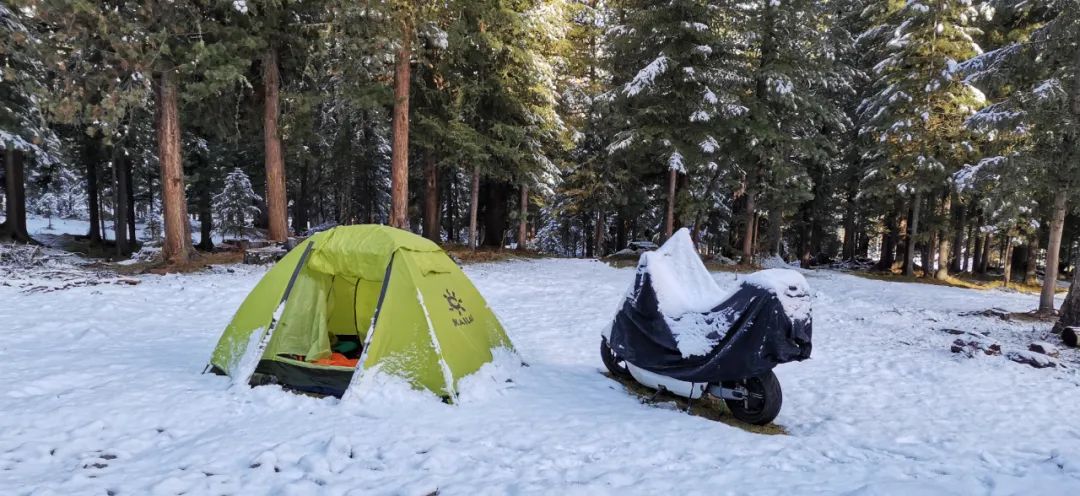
(337, 360)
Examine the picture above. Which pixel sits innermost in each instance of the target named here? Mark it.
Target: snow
(774, 262)
(789, 287)
(39, 229)
(645, 77)
(252, 352)
(678, 276)
(675, 162)
(103, 392)
(448, 377)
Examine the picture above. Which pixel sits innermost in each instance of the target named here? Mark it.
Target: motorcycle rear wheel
(763, 400)
(614, 364)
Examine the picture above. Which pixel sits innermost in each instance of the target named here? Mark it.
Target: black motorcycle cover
(765, 322)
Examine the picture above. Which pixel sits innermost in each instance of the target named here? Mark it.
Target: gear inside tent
(677, 322)
(358, 298)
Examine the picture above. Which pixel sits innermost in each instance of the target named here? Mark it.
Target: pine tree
(1037, 111)
(114, 59)
(235, 204)
(675, 84)
(792, 118)
(25, 137)
(918, 108)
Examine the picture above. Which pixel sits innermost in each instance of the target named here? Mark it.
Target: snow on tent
(359, 298)
(676, 321)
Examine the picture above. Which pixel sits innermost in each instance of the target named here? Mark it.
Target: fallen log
(1037, 360)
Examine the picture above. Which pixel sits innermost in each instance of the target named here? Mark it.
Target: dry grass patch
(712, 266)
(199, 262)
(464, 255)
(967, 281)
(710, 408)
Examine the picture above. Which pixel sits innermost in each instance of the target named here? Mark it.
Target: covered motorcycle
(677, 330)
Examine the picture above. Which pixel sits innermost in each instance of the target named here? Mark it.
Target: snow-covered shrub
(235, 204)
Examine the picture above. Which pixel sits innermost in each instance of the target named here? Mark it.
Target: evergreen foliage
(235, 204)
(934, 135)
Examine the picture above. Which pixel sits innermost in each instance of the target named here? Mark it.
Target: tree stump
(1071, 336)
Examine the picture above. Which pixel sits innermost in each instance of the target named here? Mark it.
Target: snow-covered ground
(40, 227)
(103, 394)
(41, 230)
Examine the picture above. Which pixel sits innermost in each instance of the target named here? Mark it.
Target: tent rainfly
(358, 298)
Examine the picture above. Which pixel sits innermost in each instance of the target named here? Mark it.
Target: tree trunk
(496, 196)
(91, 156)
(431, 199)
(598, 234)
(889, 238)
(805, 245)
(303, 200)
(959, 239)
(903, 239)
(276, 203)
(177, 246)
(944, 241)
(967, 259)
(776, 233)
(399, 148)
(757, 233)
(129, 191)
(984, 260)
(669, 220)
(206, 221)
(909, 260)
(474, 201)
(1053, 252)
(1007, 244)
(977, 255)
(523, 219)
(862, 245)
(101, 216)
(1031, 265)
(620, 231)
(850, 236)
(120, 208)
(586, 229)
(451, 205)
(748, 237)
(1070, 310)
(14, 226)
(929, 248)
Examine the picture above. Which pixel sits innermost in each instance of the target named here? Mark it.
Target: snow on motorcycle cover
(677, 322)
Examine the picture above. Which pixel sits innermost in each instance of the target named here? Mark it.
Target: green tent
(360, 298)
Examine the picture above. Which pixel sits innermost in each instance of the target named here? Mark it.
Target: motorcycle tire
(763, 400)
(614, 364)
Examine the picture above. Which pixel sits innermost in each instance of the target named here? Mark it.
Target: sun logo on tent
(454, 305)
(454, 302)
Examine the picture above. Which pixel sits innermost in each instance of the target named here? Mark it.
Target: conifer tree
(792, 118)
(917, 111)
(235, 204)
(675, 84)
(25, 137)
(1036, 82)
